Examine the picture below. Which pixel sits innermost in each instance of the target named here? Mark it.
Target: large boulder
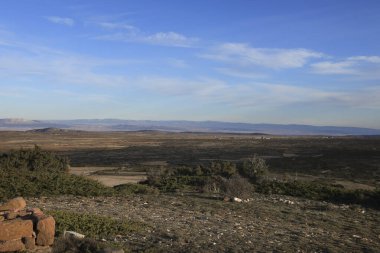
(15, 229)
(45, 230)
(14, 204)
(13, 245)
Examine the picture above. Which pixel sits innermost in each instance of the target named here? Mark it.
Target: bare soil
(109, 176)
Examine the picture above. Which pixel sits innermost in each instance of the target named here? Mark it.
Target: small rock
(72, 234)
(235, 199)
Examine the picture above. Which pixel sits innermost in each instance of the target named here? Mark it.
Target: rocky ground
(195, 223)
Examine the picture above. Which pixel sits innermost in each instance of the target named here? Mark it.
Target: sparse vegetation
(93, 226)
(23, 173)
(74, 245)
(18, 183)
(203, 169)
(33, 160)
(318, 191)
(254, 169)
(238, 186)
(40, 173)
(127, 189)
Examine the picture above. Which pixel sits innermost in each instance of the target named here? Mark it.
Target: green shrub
(33, 183)
(94, 226)
(40, 173)
(238, 186)
(33, 160)
(254, 168)
(317, 191)
(74, 245)
(127, 189)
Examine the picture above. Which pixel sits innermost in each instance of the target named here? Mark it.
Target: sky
(254, 61)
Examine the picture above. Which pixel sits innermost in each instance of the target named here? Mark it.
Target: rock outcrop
(24, 229)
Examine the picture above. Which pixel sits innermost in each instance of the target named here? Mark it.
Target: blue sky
(305, 62)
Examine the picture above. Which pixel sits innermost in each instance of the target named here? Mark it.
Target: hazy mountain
(182, 126)
(22, 124)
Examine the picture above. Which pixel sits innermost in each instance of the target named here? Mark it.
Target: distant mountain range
(181, 126)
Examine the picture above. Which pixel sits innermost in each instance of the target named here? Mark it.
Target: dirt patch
(109, 180)
(109, 176)
(85, 171)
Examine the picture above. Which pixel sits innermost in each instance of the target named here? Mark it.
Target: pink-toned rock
(29, 242)
(36, 211)
(23, 213)
(15, 229)
(45, 230)
(10, 246)
(11, 215)
(14, 204)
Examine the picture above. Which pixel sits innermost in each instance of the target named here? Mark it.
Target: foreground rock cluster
(24, 229)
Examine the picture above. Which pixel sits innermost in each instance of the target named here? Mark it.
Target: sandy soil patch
(86, 171)
(107, 179)
(110, 180)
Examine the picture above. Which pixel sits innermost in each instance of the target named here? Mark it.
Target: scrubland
(303, 194)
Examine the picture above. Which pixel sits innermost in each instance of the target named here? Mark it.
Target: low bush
(32, 183)
(34, 172)
(127, 189)
(74, 245)
(212, 178)
(318, 191)
(93, 226)
(238, 186)
(254, 169)
(33, 160)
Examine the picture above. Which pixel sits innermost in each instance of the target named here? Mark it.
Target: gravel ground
(196, 223)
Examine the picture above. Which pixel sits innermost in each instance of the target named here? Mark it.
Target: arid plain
(194, 222)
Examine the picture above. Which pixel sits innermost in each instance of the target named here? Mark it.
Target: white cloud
(113, 26)
(239, 73)
(128, 33)
(243, 54)
(371, 59)
(253, 94)
(168, 86)
(59, 69)
(170, 39)
(328, 67)
(61, 20)
(364, 67)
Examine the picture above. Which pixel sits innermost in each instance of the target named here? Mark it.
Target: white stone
(70, 234)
